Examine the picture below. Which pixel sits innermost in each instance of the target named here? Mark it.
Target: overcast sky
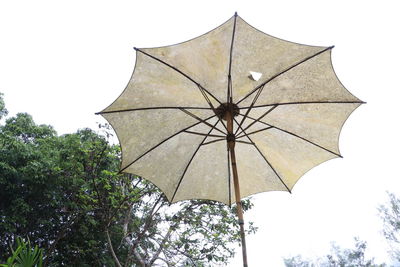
(62, 61)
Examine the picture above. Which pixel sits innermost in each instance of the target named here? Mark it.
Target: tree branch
(161, 245)
(145, 228)
(139, 258)
(112, 249)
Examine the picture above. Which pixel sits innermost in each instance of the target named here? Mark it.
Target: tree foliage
(3, 110)
(390, 214)
(339, 257)
(351, 257)
(66, 195)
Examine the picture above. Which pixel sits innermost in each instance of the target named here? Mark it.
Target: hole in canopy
(255, 76)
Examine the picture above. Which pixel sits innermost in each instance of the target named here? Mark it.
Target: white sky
(62, 61)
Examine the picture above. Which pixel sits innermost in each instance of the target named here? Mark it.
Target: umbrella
(229, 114)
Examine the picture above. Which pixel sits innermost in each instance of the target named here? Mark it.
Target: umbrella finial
(236, 14)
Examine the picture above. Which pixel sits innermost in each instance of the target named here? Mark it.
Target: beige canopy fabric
(289, 108)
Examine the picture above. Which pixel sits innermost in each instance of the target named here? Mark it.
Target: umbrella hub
(224, 108)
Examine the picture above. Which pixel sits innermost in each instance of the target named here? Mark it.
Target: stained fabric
(289, 104)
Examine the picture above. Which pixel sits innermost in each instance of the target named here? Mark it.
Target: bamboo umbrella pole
(231, 146)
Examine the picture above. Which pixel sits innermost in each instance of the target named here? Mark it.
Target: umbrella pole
(239, 205)
(231, 146)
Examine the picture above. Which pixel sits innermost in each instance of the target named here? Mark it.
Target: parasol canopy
(229, 114)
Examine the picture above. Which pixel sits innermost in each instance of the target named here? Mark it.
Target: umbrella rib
(177, 70)
(197, 118)
(201, 88)
(300, 137)
(203, 134)
(263, 129)
(190, 161)
(229, 90)
(211, 105)
(248, 110)
(149, 108)
(305, 102)
(244, 142)
(213, 141)
(261, 86)
(251, 124)
(269, 164)
(166, 139)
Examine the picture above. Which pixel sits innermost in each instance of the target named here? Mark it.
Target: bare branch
(145, 228)
(139, 258)
(161, 245)
(112, 249)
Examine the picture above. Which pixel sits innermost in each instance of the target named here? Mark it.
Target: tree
(66, 195)
(30, 193)
(3, 110)
(339, 257)
(298, 261)
(390, 214)
(351, 257)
